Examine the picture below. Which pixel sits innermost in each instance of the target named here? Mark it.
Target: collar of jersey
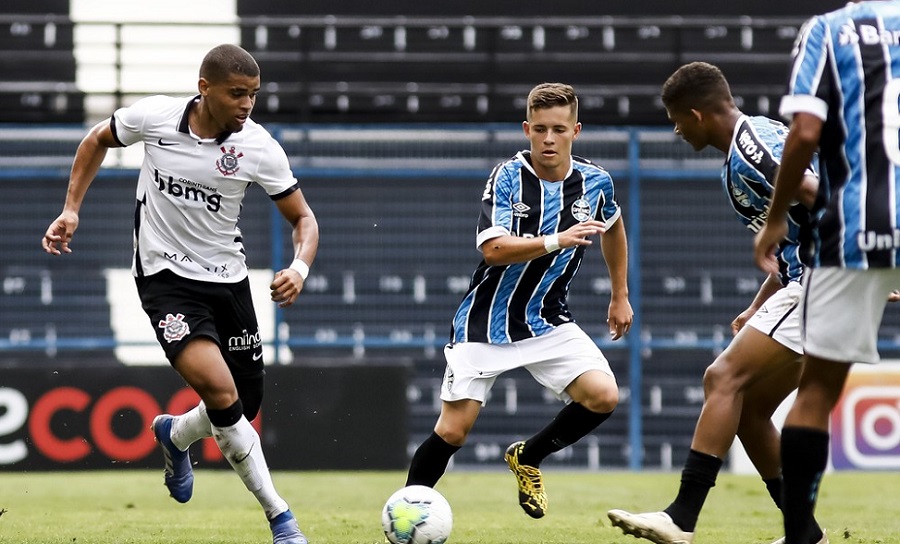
(183, 126)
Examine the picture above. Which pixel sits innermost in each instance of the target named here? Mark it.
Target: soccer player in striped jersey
(842, 100)
(201, 154)
(540, 211)
(761, 365)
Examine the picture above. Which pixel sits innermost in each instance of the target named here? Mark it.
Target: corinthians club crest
(174, 327)
(228, 162)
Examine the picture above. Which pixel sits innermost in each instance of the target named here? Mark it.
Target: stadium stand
(38, 66)
(464, 69)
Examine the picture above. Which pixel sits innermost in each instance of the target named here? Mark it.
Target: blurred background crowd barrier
(392, 124)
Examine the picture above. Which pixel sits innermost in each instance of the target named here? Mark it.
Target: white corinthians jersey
(190, 189)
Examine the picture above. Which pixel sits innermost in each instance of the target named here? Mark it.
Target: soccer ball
(417, 514)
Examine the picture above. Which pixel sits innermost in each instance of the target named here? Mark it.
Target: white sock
(191, 427)
(241, 446)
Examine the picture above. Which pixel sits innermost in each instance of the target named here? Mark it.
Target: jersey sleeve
(496, 207)
(608, 211)
(809, 80)
(274, 174)
(128, 123)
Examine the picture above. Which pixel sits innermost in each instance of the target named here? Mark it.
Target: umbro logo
(520, 209)
(165, 144)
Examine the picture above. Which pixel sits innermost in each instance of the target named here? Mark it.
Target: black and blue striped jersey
(846, 71)
(748, 177)
(522, 300)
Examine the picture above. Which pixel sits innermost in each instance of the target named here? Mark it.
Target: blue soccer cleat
(285, 529)
(179, 475)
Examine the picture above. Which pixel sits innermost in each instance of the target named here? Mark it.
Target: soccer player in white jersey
(842, 101)
(761, 365)
(540, 210)
(201, 154)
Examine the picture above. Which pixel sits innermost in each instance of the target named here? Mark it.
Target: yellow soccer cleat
(532, 497)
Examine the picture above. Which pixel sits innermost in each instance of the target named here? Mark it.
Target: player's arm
(799, 148)
(768, 288)
(88, 158)
(614, 245)
(288, 282)
(509, 249)
(807, 192)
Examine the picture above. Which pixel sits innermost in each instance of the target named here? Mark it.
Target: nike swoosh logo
(257, 356)
(166, 144)
(242, 459)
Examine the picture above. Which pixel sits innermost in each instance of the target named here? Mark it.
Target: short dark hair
(225, 60)
(550, 95)
(698, 85)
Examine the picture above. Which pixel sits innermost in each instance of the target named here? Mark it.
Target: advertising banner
(865, 425)
(313, 417)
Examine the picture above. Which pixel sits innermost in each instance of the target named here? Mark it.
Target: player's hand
(741, 320)
(59, 233)
(620, 318)
(894, 296)
(766, 243)
(577, 235)
(286, 287)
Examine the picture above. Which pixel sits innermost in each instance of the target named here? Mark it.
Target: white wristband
(551, 243)
(301, 267)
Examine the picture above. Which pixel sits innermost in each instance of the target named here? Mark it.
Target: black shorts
(181, 309)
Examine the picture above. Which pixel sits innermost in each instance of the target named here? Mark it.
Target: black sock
(571, 424)
(774, 487)
(697, 478)
(776, 490)
(804, 457)
(430, 461)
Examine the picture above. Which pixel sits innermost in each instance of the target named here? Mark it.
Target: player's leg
(202, 366)
(750, 358)
(567, 362)
(178, 315)
(804, 444)
(761, 438)
(470, 373)
(842, 312)
(433, 455)
(594, 395)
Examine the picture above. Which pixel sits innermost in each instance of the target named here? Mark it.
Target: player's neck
(202, 124)
(721, 138)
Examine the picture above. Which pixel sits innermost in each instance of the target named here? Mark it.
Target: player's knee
(718, 377)
(603, 400)
(455, 436)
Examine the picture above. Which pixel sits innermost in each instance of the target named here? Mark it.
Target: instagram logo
(866, 422)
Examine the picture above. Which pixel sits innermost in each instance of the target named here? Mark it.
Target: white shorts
(842, 310)
(554, 359)
(779, 317)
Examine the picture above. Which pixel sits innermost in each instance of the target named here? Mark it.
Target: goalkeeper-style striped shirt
(522, 300)
(748, 177)
(846, 71)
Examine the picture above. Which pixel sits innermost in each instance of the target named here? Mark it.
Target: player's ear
(203, 86)
(698, 115)
(526, 128)
(576, 131)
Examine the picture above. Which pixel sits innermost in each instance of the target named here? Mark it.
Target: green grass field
(132, 507)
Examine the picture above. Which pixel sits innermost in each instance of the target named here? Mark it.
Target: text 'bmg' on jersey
(522, 300)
